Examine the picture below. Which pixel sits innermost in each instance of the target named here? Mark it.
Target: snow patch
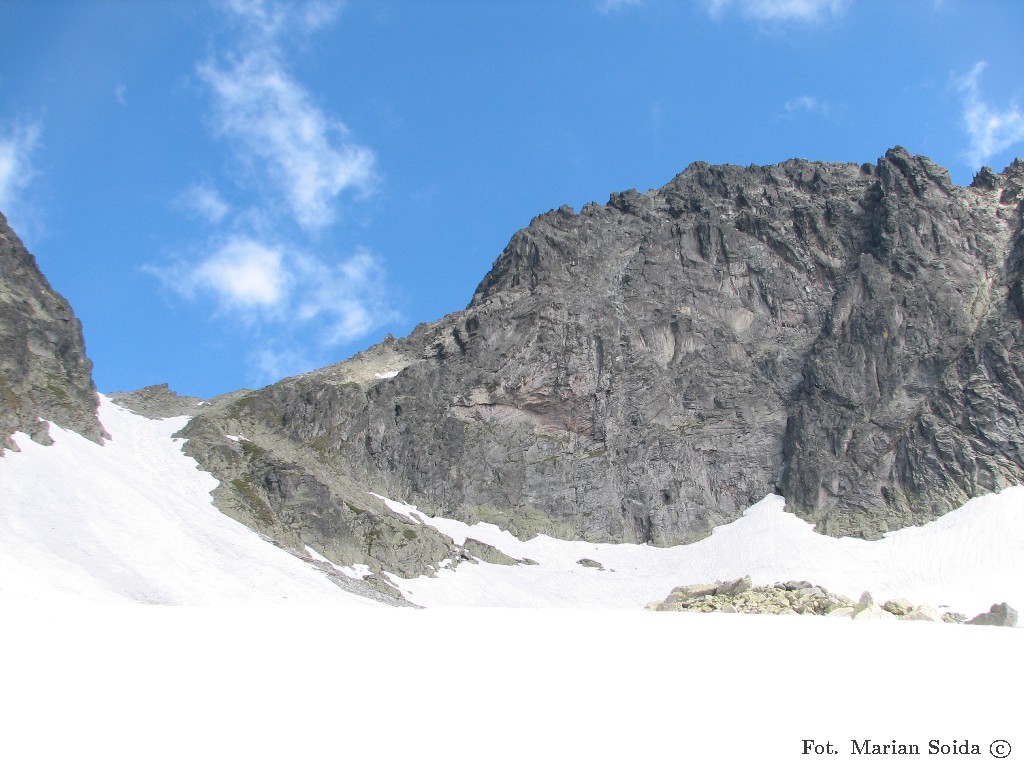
(964, 561)
(133, 521)
(408, 511)
(356, 571)
(386, 375)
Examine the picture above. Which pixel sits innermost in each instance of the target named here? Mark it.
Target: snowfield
(133, 520)
(90, 535)
(965, 561)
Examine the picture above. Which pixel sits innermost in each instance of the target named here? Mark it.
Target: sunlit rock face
(846, 335)
(44, 372)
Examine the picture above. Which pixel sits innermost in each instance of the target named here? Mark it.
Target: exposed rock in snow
(1000, 615)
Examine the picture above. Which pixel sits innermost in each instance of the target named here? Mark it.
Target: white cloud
(276, 125)
(315, 14)
(262, 16)
(807, 104)
(204, 201)
(296, 308)
(243, 274)
(16, 147)
(990, 130)
(609, 6)
(326, 304)
(802, 103)
(271, 17)
(348, 298)
(273, 364)
(807, 11)
(273, 123)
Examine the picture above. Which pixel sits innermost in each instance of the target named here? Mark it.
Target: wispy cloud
(306, 154)
(273, 363)
(17, 144)
(348, 297)
(990, 130)
(204, 201)
(301, 167)
(274, 125)
(807, 104)
(805, 11)
(610, 6)
(287, 291)
(271, 18)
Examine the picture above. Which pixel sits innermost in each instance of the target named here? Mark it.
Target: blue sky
(231, 192)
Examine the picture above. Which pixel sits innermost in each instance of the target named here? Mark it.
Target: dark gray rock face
(911, 400)
(44, 372)
(849, 336)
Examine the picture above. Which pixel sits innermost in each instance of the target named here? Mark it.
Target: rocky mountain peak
(848, 335)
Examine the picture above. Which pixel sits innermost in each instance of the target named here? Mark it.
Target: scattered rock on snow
(924, 613)
(801, 597)
(898, 607)
(740, 596)
(488, 553)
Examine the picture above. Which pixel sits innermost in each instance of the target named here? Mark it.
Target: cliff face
(44, 371)
(912, 395)
(849, 336)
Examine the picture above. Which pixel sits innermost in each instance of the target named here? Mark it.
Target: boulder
(488, 553)
(898, 606)
(999, 615)
(924, 613)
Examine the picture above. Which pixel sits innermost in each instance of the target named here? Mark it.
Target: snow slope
(965, 561)
(133, 521)
(101, 530)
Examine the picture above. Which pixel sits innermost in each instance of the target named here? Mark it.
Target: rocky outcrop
(480, 550)
(846, 335)
(741, 596)
(45, 375)
(298, 497)
(158, 402)
(804, 598)
(999, 615)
